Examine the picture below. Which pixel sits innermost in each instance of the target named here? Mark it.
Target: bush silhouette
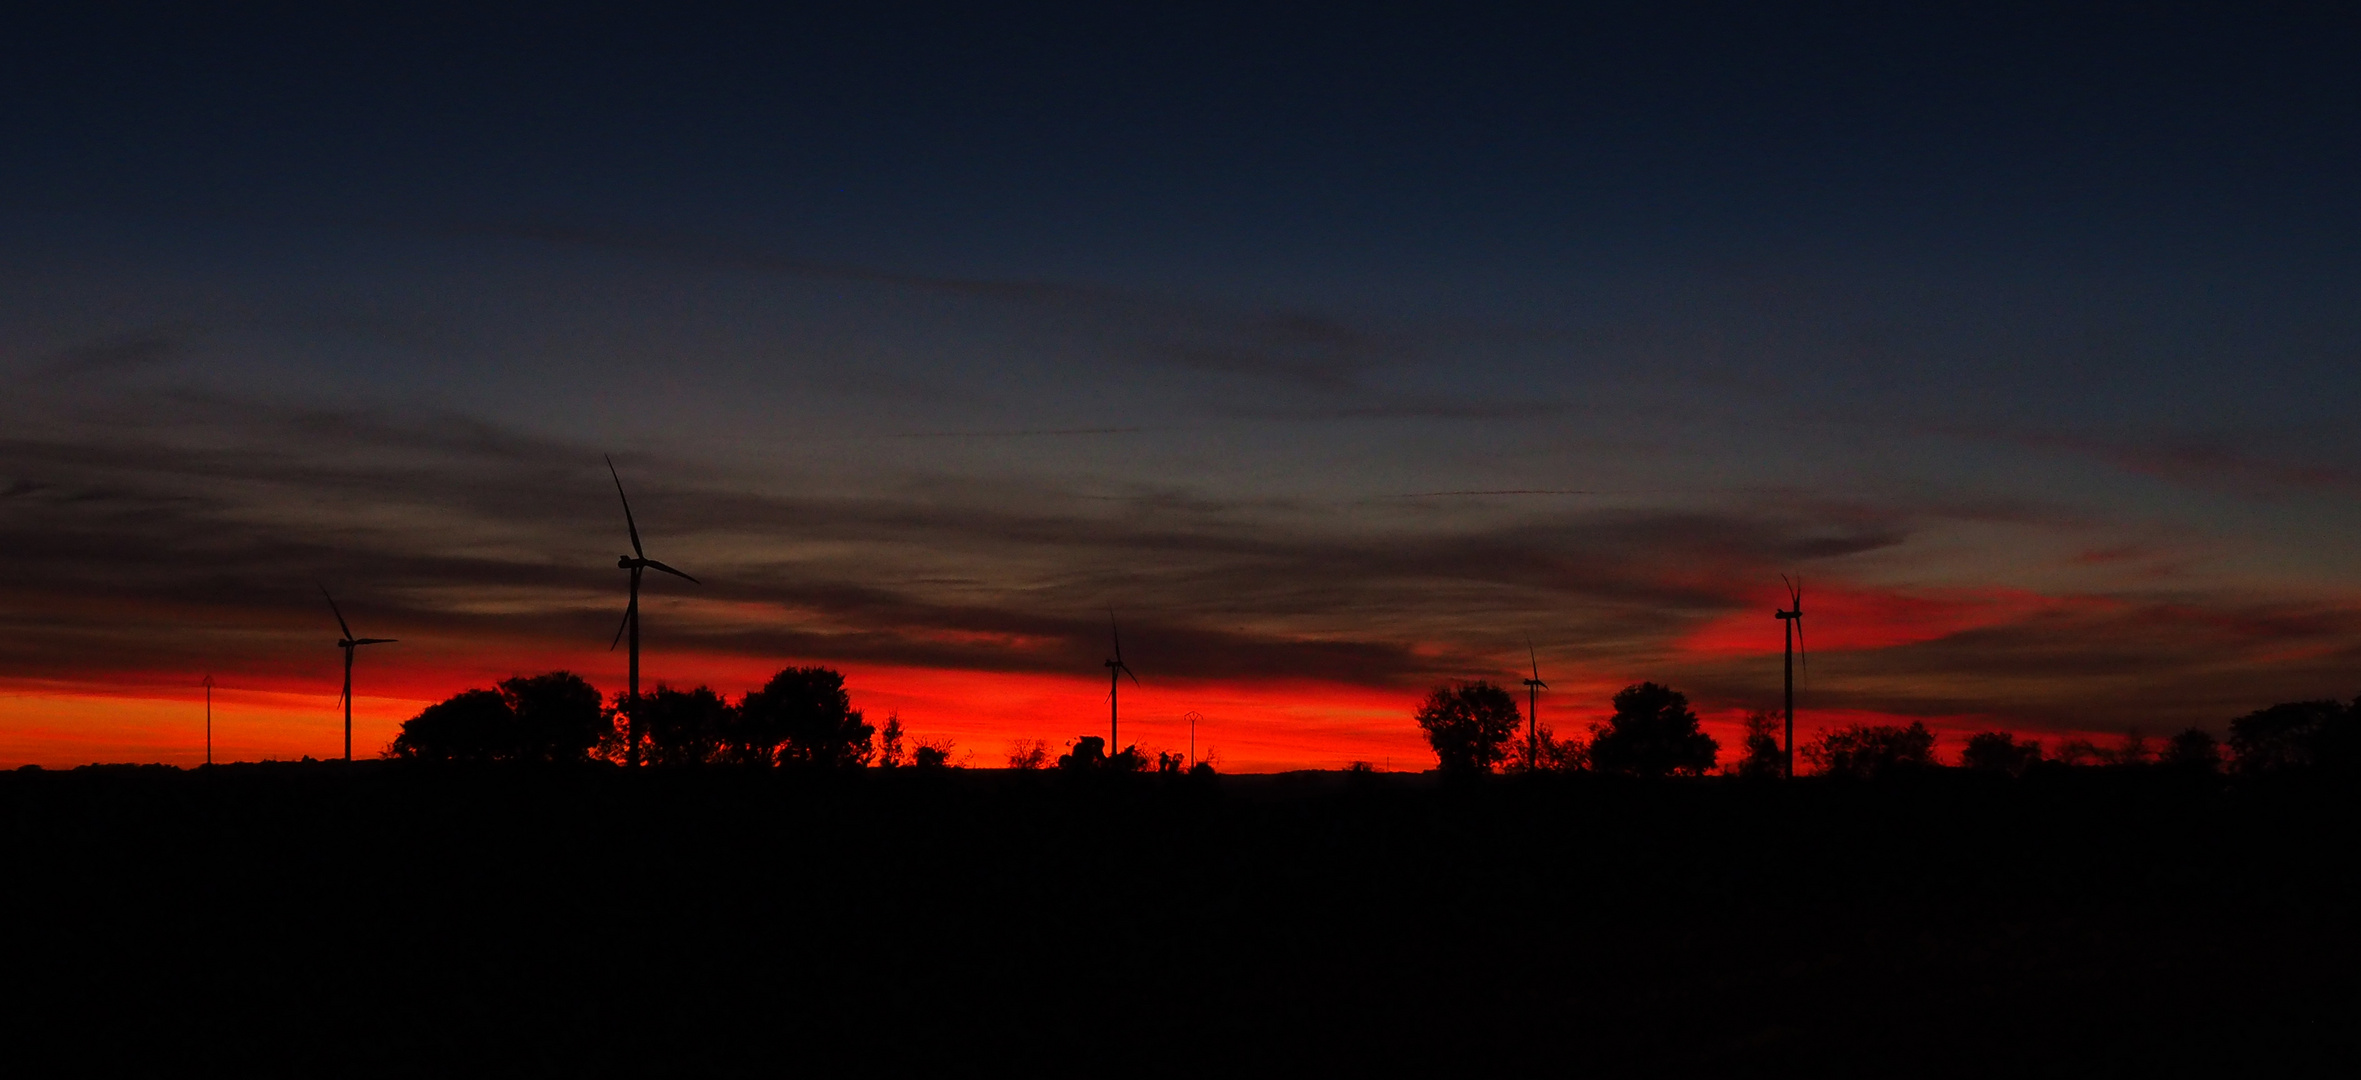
(1871, 750)
(1028, 754)
(1469, 725)
(931, 754)
(1088, 753)
(804, 717)
(2000, 752)
(1653, 733)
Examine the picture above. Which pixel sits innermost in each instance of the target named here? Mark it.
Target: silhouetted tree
(2286, 736)
(1871, 750)
(1652, 733)
(889, 742)
(1551, 754)
(1028, 754)
(684, 727)
(1763, 757)
(1469, 725)
(807, 710)
(2079, 752)
(473, 725)
(2192, 751)
(558, 716)
(554, 717)
(2131, 751)
(1999, 752)
(1169, 764)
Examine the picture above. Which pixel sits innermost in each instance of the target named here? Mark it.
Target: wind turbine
(348, 643)
(1791, 620)
(208, 719)
(635, 562)
(1116, 670)
(1533, 688)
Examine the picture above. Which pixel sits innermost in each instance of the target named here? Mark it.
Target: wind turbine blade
(1539, 683)
(1801, 654)
(628, 523)
(628, 611)
(340, 623)
(375, 641)
(1126, 669)
(654, 565)
(1535, 657)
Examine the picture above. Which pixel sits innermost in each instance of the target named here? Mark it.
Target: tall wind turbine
(635, 562)
(1116, 670)
(348, 643)
(1791, 620)
(1533, 688)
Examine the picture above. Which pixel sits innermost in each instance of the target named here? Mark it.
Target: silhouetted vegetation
(1762, 757)
(551, 718)
(1089, 754)
(2192, 751)
(687, 727)
(1025, 755)
(1999, 752)
(1469, 725)
(804, 717)
(2298, 735)
(1866, 751)
(1652, 733)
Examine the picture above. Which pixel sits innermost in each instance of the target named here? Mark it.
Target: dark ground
(342, 919)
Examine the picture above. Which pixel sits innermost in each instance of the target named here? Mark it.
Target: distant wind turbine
(1116, 670)
(635, 562)
(1533, 688)
(1792, 621)
(208, 719)
(348, 643)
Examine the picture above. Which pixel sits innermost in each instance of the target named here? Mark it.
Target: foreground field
(378, 919)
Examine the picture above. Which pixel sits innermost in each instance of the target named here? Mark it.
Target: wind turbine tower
(1116, 670)
(635, 562)
(349, 644)
(1791, 619)
(1533, 688)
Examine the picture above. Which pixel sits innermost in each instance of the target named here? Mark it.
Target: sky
(1339, 350)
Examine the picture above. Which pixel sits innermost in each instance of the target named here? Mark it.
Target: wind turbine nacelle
(622, 562)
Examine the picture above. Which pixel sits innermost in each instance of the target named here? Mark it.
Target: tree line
(801, 718)
(1478, 727)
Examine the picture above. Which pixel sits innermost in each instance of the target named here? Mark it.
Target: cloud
(171, 533)
(1297, 364)
(112, 356)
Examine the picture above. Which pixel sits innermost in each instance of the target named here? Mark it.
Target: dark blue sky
(995, 318)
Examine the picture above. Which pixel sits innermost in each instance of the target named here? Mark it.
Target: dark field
(372, 918)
